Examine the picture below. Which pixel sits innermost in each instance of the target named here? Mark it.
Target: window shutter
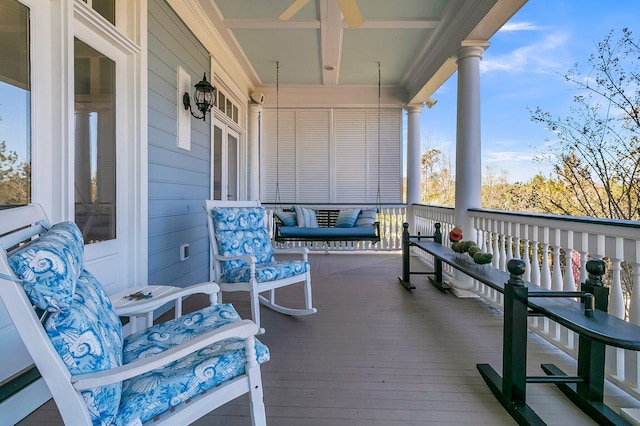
(351, 156)
(331, 156)
(313, 156)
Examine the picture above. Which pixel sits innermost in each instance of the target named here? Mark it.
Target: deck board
(376, 354)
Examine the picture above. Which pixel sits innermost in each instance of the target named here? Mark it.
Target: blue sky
(524, 67)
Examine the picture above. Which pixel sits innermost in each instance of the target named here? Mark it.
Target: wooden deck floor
(377, 354)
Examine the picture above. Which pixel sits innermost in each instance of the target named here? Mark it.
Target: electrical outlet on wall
(184, 252)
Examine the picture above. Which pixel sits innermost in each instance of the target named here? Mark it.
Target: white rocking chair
(243, 257)
(96, 376)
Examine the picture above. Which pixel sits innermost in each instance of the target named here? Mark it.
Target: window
(95, 143)
(15, 105)
(106, 8)
(227, 107)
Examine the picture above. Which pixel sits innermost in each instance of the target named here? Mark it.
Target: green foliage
(438, 179)
(15, 178)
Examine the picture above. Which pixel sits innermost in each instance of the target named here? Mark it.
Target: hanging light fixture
(204, 97)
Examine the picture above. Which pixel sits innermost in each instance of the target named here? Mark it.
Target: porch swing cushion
(364, 227)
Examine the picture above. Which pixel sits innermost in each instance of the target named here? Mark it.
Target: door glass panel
(217, 163)
(15, 105)
(232, 168)
(95, 144)
(106, 8)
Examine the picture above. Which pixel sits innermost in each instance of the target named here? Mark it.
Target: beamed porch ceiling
(414, 40)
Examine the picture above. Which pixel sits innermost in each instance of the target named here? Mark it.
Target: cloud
(519, 26)
(541, 56)
(508, 156)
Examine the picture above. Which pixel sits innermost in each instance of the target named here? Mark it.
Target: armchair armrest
(243, 329)
(246, 257)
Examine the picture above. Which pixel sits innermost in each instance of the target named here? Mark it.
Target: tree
(438, 178)
(598, 150)
(15, 178)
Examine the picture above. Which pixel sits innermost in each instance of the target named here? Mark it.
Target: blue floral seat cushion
(266, 272)
(146, 396)
(88, 337)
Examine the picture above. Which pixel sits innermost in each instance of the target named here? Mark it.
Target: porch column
(468, 165)
(413, 162)
(253, 152)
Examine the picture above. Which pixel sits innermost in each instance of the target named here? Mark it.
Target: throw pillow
(287, 218)
(366, 218)
(347, 218)
(306, 217)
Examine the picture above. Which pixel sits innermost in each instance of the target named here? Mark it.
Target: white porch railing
(390, 216)
(548, 244)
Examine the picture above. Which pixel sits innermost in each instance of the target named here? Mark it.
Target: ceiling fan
(349, 9)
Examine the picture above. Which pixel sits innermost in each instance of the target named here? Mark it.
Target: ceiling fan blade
(292, 9)
(351, 13)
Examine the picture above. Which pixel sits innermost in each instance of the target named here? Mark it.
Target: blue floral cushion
(238, 218)
(306, 217)
(271, 271)
(155, 392)
(88, 337)
(241, 231)
(366, 218)
(50, 265)
(347, 218)
(237, 243)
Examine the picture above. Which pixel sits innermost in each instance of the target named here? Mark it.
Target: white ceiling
(414, 41)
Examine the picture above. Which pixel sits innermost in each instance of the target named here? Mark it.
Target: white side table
(126, 303)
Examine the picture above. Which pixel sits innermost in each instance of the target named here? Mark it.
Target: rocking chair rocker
(243, 257)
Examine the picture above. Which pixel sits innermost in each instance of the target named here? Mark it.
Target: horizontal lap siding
(179, 180)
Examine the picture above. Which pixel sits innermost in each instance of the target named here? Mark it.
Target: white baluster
(535, 264)
(509, 244)
(616, 297)
(632, 359)
(496, 246)
(634, 303)
(526, 255)
(556, 278)
(503, 244)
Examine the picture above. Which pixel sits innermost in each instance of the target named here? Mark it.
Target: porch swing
(325, 225)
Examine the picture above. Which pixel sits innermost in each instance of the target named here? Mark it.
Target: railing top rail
(337, 205)
(574, 219)
(612, 227)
